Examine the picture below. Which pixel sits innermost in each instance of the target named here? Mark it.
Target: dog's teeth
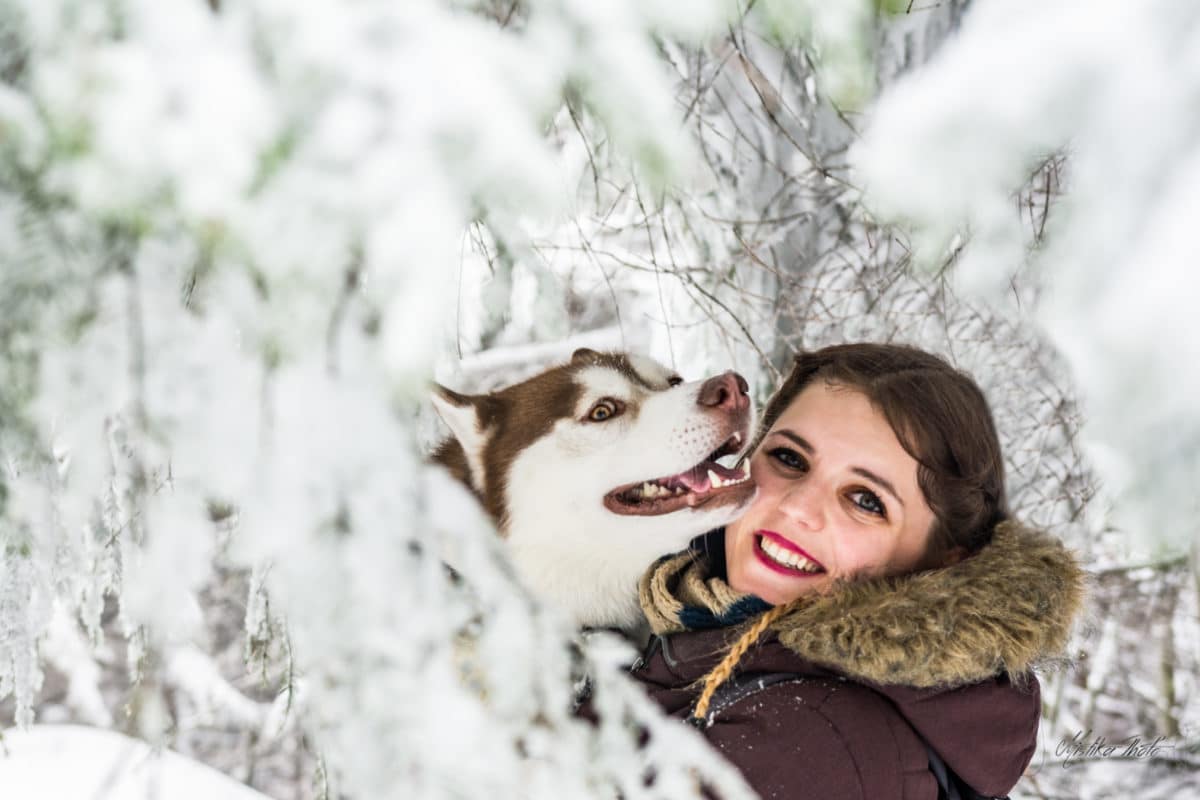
(679, 490)
(714, 480)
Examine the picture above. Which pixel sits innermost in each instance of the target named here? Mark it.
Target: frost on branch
(230, 233)
(237, 237)
(24, 614)
(1115, 260)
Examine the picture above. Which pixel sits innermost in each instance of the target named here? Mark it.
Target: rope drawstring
(724, 669)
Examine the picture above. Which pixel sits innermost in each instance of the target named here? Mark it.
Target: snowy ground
(67, 762)
(104, 765)
(1113, 778)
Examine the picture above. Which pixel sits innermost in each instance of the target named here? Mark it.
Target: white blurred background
(239, 238)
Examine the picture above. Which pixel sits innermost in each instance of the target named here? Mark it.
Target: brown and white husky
(593, 469)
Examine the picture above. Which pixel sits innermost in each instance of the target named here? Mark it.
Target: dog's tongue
(696, 478)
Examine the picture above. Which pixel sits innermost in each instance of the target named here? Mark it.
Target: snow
(838, 35)
(68, 762)
(1116, 89)
(234, 236)
(238, 245)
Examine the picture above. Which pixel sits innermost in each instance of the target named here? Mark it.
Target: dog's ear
(463, 415)
(585, 356)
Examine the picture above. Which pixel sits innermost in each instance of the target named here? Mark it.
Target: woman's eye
(788, 458)
(868, 501)
(604, 409)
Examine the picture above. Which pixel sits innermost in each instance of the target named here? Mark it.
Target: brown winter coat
(943, 655)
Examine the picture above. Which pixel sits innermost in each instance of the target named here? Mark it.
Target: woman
(874, 601)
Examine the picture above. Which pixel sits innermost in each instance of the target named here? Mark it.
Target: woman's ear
(953, 556)
(935, 560)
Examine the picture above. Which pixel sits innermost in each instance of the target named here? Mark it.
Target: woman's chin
(774, 587)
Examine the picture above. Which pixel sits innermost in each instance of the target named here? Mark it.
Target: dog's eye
(674, 380)
(605, 409)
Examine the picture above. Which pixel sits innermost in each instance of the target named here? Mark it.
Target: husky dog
(593, 469)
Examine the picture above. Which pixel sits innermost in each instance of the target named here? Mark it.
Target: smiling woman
(903, 611)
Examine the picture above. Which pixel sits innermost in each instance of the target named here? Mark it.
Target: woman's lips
(788, 546)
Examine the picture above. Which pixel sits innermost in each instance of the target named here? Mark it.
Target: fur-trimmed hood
(1005, 609)
(882, 668)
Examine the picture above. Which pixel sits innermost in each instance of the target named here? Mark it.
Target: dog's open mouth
(698, 486)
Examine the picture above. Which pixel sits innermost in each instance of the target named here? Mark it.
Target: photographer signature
(1083, 747)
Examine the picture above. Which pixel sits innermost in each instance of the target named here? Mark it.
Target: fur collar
(1005, 609)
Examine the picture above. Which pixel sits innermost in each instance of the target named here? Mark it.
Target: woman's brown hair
(942, 420)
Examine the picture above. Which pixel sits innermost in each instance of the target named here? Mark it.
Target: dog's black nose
(727, 390)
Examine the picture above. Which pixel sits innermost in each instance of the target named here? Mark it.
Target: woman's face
(837, 499)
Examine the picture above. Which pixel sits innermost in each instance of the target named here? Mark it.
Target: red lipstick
(774, 565)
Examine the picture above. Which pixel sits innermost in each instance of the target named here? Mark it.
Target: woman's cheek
(758, 468)
(766, 482)
(863, 564)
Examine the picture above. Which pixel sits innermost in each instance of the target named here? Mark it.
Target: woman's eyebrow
(800, 441)
(886, 485)
(807, 447)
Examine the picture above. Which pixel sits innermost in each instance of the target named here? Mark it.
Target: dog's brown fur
(541, 401)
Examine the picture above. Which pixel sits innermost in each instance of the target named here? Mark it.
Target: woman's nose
(802, 504)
